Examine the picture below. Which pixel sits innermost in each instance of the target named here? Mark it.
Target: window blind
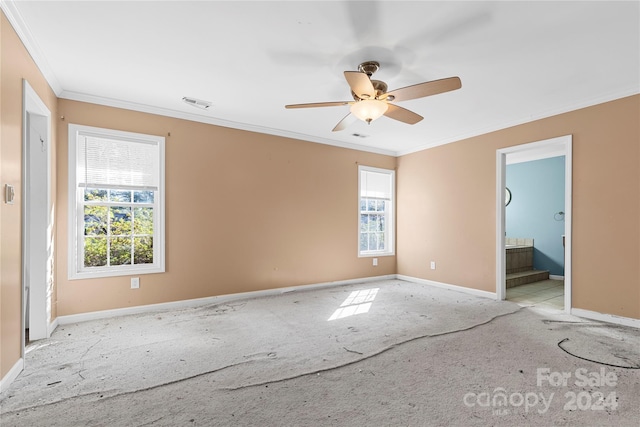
(375, 184)
(116, 163)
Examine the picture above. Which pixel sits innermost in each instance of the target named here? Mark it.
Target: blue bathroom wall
(537, 195)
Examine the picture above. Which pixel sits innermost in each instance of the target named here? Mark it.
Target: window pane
(380, 205)
(381, 223)
(364, 221)
(363, 205)
(95, 221)
(94, 194)
(364, 241)
(120, 196)
(143, 196)
(373, 222)
(373, 242)
(143, 221)
(120, 220)
(95, 251)
(380, 241)
(371, 205)
(120, 251)
(143, 250)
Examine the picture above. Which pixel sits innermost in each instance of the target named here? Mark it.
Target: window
(376, 200)
(116, 203)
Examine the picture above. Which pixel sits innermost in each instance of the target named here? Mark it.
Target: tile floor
(545, 294)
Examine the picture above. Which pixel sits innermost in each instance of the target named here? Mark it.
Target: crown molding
(74, 96)
(589, 102)
(13, 15)
(109, 102)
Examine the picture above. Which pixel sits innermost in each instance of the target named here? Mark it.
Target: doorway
(554, 147)
(37, 228)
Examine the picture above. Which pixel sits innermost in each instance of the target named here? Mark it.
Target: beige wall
(446, 206)
(15, 65)
(244, 212)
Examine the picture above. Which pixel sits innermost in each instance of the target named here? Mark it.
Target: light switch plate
(9, 194)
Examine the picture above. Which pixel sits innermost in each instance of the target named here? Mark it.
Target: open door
(561, 146)
(37, 224)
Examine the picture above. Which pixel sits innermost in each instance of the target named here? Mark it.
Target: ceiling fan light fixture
(368, 110)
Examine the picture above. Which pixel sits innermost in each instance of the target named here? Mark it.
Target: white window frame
(390, 207)
(76, 269)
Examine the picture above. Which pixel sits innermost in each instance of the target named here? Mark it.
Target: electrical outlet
(375, 262)
(433, 265)
(135, 283)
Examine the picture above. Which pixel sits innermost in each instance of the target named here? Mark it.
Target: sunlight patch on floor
(358, 302)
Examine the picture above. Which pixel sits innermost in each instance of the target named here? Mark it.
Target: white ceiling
(518, 61)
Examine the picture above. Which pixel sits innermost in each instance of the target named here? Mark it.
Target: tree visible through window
(118, 227)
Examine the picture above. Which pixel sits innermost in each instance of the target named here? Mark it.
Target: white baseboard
(466, 290)
(197, 302)
(52, 327)
(11, 375)
(554, 277)
(610, 318)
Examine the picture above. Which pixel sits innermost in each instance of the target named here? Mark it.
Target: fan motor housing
(379, 86)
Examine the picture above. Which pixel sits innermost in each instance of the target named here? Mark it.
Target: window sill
(98, 274)
(375, 254)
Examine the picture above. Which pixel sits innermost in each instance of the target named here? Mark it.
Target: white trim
(74, 96)
(390, 232)
(177, 305)
(16, 20)
(501, 257)
(39, 296)
(554, 277)
(464, 289)
(552, 147)
(612, 96)
(568, 224)
(53, 325)
(75, 227)
(11, 375)
(609, 318)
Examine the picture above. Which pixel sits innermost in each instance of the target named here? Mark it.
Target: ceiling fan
(371, 99)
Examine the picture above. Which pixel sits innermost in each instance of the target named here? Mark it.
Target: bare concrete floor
(393, 353)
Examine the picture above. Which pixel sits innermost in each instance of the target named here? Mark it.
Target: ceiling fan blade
(345, 122)
(360, 84)
(402, 115)
(319, 104)
(425, 89)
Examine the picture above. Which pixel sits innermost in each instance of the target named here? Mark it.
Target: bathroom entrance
(533, 224)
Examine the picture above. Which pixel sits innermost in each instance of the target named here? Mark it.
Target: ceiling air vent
(198, 103)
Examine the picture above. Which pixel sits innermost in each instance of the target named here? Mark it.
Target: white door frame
(39, 296)
(560, 146)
